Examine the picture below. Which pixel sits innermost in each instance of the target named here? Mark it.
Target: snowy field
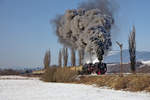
(18, 88)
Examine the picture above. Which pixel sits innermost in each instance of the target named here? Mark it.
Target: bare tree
(47, 59)
(60, 59)
(81, 56)
(73, 57)
(132, 50)
(65, 56)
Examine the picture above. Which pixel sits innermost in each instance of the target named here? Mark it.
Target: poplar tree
(132, 50)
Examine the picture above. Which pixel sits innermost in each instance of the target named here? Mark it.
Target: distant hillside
(114, 56)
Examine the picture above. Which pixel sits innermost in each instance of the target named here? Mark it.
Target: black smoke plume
(87, 27)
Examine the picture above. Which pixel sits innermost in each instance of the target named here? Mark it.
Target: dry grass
(127, 82)
(48, 75)
(148, 89)
(131, 82)
(139, 83)
(58, 74)
(76, 68)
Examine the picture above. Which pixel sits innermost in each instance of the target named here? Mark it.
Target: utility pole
(121, 67)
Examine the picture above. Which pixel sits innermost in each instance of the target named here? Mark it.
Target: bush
(64, 75)
(53, 74)
(148, 89)
(138, 82)
(10, 72)
(120, 83)
(48, 75)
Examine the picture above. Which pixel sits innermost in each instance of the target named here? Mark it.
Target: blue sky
(26, 32)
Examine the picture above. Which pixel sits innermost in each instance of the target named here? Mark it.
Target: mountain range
(114, 56)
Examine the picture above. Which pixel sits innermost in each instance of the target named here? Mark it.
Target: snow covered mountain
(114, 56)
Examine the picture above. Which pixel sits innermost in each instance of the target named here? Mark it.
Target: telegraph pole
(121, 67)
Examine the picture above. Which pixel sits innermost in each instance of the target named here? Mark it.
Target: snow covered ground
(34, 89)
(146, 62)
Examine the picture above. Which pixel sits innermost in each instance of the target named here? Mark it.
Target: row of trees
(63, 57)
(63, 54)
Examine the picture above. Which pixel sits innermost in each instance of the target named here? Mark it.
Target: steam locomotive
(98, 68)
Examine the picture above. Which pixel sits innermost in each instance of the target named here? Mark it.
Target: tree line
(63, 57)
(63, 54)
